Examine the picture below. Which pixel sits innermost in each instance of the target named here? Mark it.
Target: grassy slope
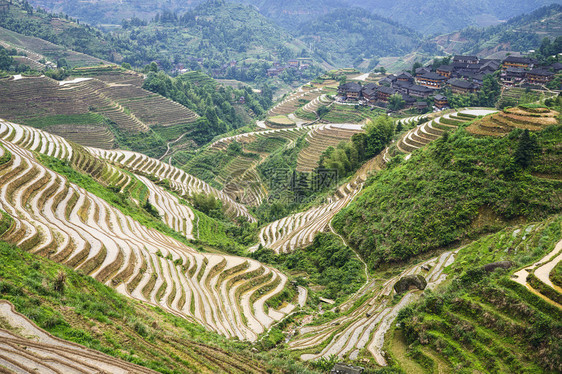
(449, 192)
(484, 321)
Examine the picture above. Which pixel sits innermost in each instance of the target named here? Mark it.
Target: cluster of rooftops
(465, 74)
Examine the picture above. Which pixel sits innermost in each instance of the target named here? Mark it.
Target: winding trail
(170, 143)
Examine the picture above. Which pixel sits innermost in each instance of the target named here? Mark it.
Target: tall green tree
(526, 149)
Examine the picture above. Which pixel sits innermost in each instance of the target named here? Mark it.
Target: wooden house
(517, 62)
(369, 92)
(405, 77)
(384, 93)
(539, 76)
(350, 90)
(432, 80)
(419, 91)
(445, 70)
(460, 86)
(422, 70)
(513, 75)
(440, 101)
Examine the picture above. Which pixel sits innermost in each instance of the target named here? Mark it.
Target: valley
(293, 216)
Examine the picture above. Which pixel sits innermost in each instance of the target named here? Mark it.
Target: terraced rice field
(181, 182)
(127, 105)
(422, 135)
(321, 138)
(239, 177)
(361, 330)
(294, 101)
(344, 113)
(37, 49)
(298, 230)
(27, 349)
(62, 221)
(541, 270)
(94, 136)
(509, 119)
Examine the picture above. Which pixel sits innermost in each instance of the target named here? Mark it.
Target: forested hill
(520, 34)
(216, 31)
(438, 16)
(223, 39)
(347, 37)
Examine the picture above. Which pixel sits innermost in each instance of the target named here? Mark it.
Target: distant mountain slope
(426, 16)
(519, 34)
(105, 12)
(440, 16)
(347, 36)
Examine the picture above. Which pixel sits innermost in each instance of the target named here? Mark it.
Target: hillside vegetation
(483, 320)
(454, 189)
(346, 37)
(521, 34)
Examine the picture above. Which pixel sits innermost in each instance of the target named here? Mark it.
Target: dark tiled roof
(408, 99)
(404, 75)
(370, 89)
(541, 72)
(422, 70)
(432, 76)
(471, 75)
(515, 70)
(401, 84)
(518, 60)
(351, 87)
(440, 97)
(446, 68)
(421, 89)
(460, 83)
(387, 90)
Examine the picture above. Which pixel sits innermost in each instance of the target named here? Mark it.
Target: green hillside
(437, 16)
(484, 321)
(520, 34)
(347, 37)
(449, 192)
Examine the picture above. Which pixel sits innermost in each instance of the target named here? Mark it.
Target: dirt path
(169, 145)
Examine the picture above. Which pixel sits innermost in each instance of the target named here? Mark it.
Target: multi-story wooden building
(512, 76)
(350, 90)
(539, 76)
(445, 70)
(405, 77)
(517, 62)
(459, 86)
(419, 91)
(369, 93)
(384, 93)
(432, 80)
(440, 102)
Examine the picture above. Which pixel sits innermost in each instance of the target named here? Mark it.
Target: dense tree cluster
(486, 97)
(216, 105)
(348, 156)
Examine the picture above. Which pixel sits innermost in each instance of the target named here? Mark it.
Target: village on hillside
(428, 88)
